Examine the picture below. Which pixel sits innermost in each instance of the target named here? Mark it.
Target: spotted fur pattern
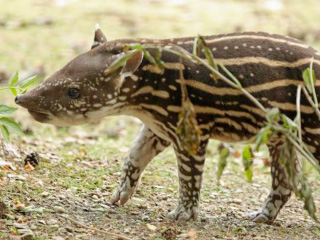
(268, 66)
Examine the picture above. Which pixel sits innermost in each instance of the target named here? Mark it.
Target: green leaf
(147, 55)
(263, 137)
(309, 79)
(13, 79)
(12, 83)
(120, 62)
(273, 115)
(12, 125)
(247, 160)
(157, 58)
(14, 91)
(6, 110)
(5, 133)
(188, 129)
(248, 173)
(288, 123)
(222, 161)
(209, 56)
(27, 82)
(196, 47)
(307, 197)
(247, 153)
(207, 52)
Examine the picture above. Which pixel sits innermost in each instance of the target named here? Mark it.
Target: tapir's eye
(74, 93)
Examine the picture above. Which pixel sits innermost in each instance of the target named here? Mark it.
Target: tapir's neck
(149, 91)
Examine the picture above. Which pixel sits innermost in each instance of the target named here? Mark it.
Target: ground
(66, 196)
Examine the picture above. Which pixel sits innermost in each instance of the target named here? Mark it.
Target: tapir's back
(269, 66)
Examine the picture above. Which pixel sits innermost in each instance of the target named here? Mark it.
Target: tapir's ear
(129, 61)
(132, 64)
(99, 37)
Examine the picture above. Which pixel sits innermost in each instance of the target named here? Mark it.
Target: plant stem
(7, 88)
(315, 100)
(315, 107)
(299, 112)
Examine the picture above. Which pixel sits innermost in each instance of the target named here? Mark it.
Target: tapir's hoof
(259, 217)
(182, 214)
(121, 195)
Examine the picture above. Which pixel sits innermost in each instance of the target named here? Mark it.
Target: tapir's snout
(29, 102)
(23, 100)
(19, 99)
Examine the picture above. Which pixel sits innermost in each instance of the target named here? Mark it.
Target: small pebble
(57, 238)
(59, 209)
(45, 194)
(145, 218)
(52, 221)
(69, 229)
(33, 227)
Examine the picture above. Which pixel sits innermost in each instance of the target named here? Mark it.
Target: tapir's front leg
(145, 147)
(190, 169)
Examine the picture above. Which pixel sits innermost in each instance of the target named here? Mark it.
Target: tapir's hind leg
(145, 147)
(281, 189)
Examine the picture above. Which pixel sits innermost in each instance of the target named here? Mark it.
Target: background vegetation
(80, 166)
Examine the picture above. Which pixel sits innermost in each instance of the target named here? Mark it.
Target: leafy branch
(16, 86)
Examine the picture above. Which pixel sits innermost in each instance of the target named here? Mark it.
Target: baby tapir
(268, 66)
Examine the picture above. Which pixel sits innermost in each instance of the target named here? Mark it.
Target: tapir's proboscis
(268, 66)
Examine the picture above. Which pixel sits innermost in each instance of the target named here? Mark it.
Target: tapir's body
(268, 66)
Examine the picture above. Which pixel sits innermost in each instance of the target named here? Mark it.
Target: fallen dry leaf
(6, 165)
(82, 151)
(236, 154)
(19, 206)
(22, 220)
(14, 232)
(192, 234)
(266, 162)
(28, 167)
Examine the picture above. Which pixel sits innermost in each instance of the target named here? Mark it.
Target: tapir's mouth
(40, 116)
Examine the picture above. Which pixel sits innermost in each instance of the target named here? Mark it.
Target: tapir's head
(82, 91)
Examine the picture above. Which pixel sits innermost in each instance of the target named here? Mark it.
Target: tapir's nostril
(16, 99)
